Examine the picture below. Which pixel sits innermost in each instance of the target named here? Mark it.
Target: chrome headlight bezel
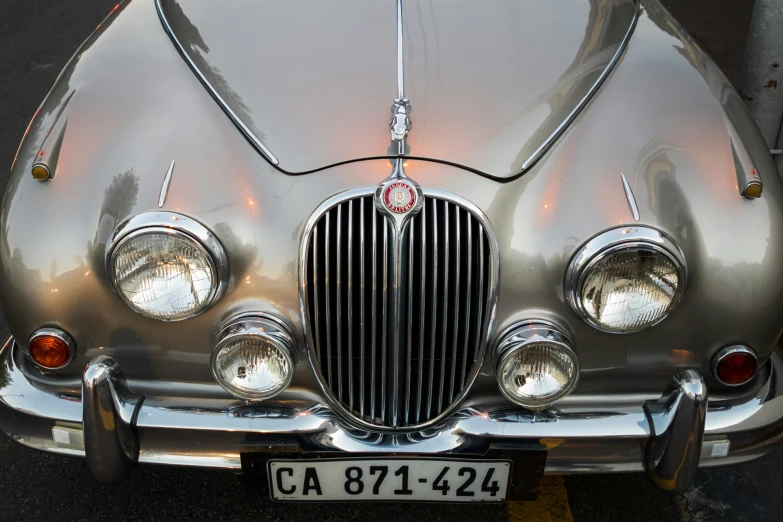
(255, 324)
(520, 337)
(604, 245)
(184, 228)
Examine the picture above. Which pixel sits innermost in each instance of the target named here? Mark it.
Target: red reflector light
(51, 348)
(735, 365)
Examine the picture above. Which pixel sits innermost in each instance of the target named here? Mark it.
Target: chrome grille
(446, 293)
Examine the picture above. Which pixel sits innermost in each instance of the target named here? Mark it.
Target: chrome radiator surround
(488, 306)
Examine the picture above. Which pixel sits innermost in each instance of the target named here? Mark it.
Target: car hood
(490, 83)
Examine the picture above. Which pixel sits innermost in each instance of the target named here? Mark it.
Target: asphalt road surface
(36, 39)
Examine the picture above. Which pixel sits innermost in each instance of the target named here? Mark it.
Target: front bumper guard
(110, 444)
(674, 448)
(115, 428)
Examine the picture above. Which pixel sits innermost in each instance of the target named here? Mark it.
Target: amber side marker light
(753, 190)
(735, 365)
(51, 348)
(41, 172)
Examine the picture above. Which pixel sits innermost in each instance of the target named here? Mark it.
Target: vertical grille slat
(443, 302)
(434, 301)
(349, 288)
(339, 304)
(468, 295)
(327, 283)
(422, 297)
(480, 285)
(374, 311)
(316, 280)
(445, 309)
(362, 324)
(384, 315)
(409, 341)
(455, 322)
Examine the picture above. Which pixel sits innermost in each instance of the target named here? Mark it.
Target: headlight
(166, 266)
(535, 365)
(253, 358)
(626, 279)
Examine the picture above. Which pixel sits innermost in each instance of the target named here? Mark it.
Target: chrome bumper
(115, 428)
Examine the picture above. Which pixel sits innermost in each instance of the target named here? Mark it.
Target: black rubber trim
(135, 429)
(648, 445)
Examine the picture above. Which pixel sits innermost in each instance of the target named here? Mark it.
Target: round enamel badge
(399, 197)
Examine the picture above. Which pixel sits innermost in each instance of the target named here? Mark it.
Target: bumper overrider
(114, 428)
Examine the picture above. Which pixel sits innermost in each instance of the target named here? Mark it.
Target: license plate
(407, 479)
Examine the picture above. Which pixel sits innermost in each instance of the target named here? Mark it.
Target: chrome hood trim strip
(545, 146)
(219, 99)
(400, 124)
(400, 67)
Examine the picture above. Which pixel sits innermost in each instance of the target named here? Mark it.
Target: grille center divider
(445, 298)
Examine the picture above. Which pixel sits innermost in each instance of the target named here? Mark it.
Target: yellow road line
(551, 506)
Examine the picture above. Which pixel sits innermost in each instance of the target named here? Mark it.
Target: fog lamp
(51, 348)
(535, 365)
(735, 365)
(253, 358)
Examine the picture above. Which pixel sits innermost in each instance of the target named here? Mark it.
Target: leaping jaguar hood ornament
(398, 195)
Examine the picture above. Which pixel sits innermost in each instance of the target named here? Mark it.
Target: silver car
(560, 252)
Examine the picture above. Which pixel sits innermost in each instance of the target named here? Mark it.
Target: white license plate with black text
(413, 479)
